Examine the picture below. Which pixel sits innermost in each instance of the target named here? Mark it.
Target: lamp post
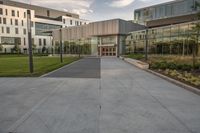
(146, 45)
(61, 49)
(30, 41)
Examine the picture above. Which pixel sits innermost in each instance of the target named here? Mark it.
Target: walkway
(124, 100)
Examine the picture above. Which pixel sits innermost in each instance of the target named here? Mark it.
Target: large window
(8, 30)
(175, 8)
(108, 40)
(16, 31)
(13, 13)
(42, 28)
(10, 40)
(4, 20)
(1, 11)
(16, 22)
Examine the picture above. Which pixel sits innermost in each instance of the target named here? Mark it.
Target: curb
(43, 76)
(176, 82)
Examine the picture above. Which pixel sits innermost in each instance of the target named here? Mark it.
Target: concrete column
(100, 49)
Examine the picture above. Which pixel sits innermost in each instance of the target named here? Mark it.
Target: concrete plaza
(124, 99)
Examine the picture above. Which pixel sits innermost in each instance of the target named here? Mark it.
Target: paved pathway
(124, 100)
(85, 68)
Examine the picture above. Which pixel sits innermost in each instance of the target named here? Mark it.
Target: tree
(196, 30)
(16, 48)
(44, 49)
(1, 47)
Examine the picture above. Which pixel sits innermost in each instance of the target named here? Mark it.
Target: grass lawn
(17, 66)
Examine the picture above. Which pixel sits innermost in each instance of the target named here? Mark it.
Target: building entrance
(107, 51)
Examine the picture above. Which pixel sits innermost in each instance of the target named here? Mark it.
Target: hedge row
(173, 66)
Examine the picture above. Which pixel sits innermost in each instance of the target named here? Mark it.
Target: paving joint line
(65, 66)
(27, 115)
(177, 118)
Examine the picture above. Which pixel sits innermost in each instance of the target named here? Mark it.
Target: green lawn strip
(18, 66)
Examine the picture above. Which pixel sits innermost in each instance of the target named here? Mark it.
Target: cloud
(120, 3)
(82, 11)
(81, 7)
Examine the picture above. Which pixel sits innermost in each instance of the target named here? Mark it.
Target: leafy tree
(196, 29)
(16, 48)
(1, 47)
(44, 49)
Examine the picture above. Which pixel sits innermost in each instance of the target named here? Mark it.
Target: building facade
(169, 29)
(104, 38)
(176, 11)
(13, 26)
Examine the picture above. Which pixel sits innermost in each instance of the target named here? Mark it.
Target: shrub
(172, 66)
(186, 67)
(136, 56)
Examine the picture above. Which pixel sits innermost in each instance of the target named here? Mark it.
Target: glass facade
(10, 40)
(82, 46)
(41, 28)
(172, 9)
(174, 39)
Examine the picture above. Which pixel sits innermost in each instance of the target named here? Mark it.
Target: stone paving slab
(85, 68)
(124, 100)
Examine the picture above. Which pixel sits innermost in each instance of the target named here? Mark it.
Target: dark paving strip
(85, 68)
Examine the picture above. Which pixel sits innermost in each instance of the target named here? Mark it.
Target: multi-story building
(103, 38)
(13, 25)
(169, 28)
(177, 11)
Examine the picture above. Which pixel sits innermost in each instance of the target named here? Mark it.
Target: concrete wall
(102, 28)
(40, 11)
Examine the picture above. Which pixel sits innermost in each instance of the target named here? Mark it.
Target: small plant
(184, 76)
(136, 56)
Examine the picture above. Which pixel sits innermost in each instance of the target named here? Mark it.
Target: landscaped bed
(17, 65)
(177, 67)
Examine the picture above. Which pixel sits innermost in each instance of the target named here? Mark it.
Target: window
(48, 13)
(6, 11)
(24, 31)
(70, 22)
(1, 11)
(44, 42)
(40, 42)
(13, 13)
(4, 20)
(24, 41)
(0, 20)
(16, 22)
(11, 22)
(32, 24)
(7, 30)
(24, 14)
(80, 23)
(22, 23)
(2, 29)
(17, 13)
(64, 21)
(16, 31)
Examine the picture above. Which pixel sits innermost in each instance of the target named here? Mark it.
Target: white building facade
(13, 27)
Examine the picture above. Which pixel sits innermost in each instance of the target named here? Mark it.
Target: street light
(61, 49)
(30, 41)
(146, 45)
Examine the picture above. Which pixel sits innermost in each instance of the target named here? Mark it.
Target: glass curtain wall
(175, 39)
(79, 46)
(172, 9)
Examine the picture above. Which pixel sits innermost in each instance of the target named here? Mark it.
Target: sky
(96, 10)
